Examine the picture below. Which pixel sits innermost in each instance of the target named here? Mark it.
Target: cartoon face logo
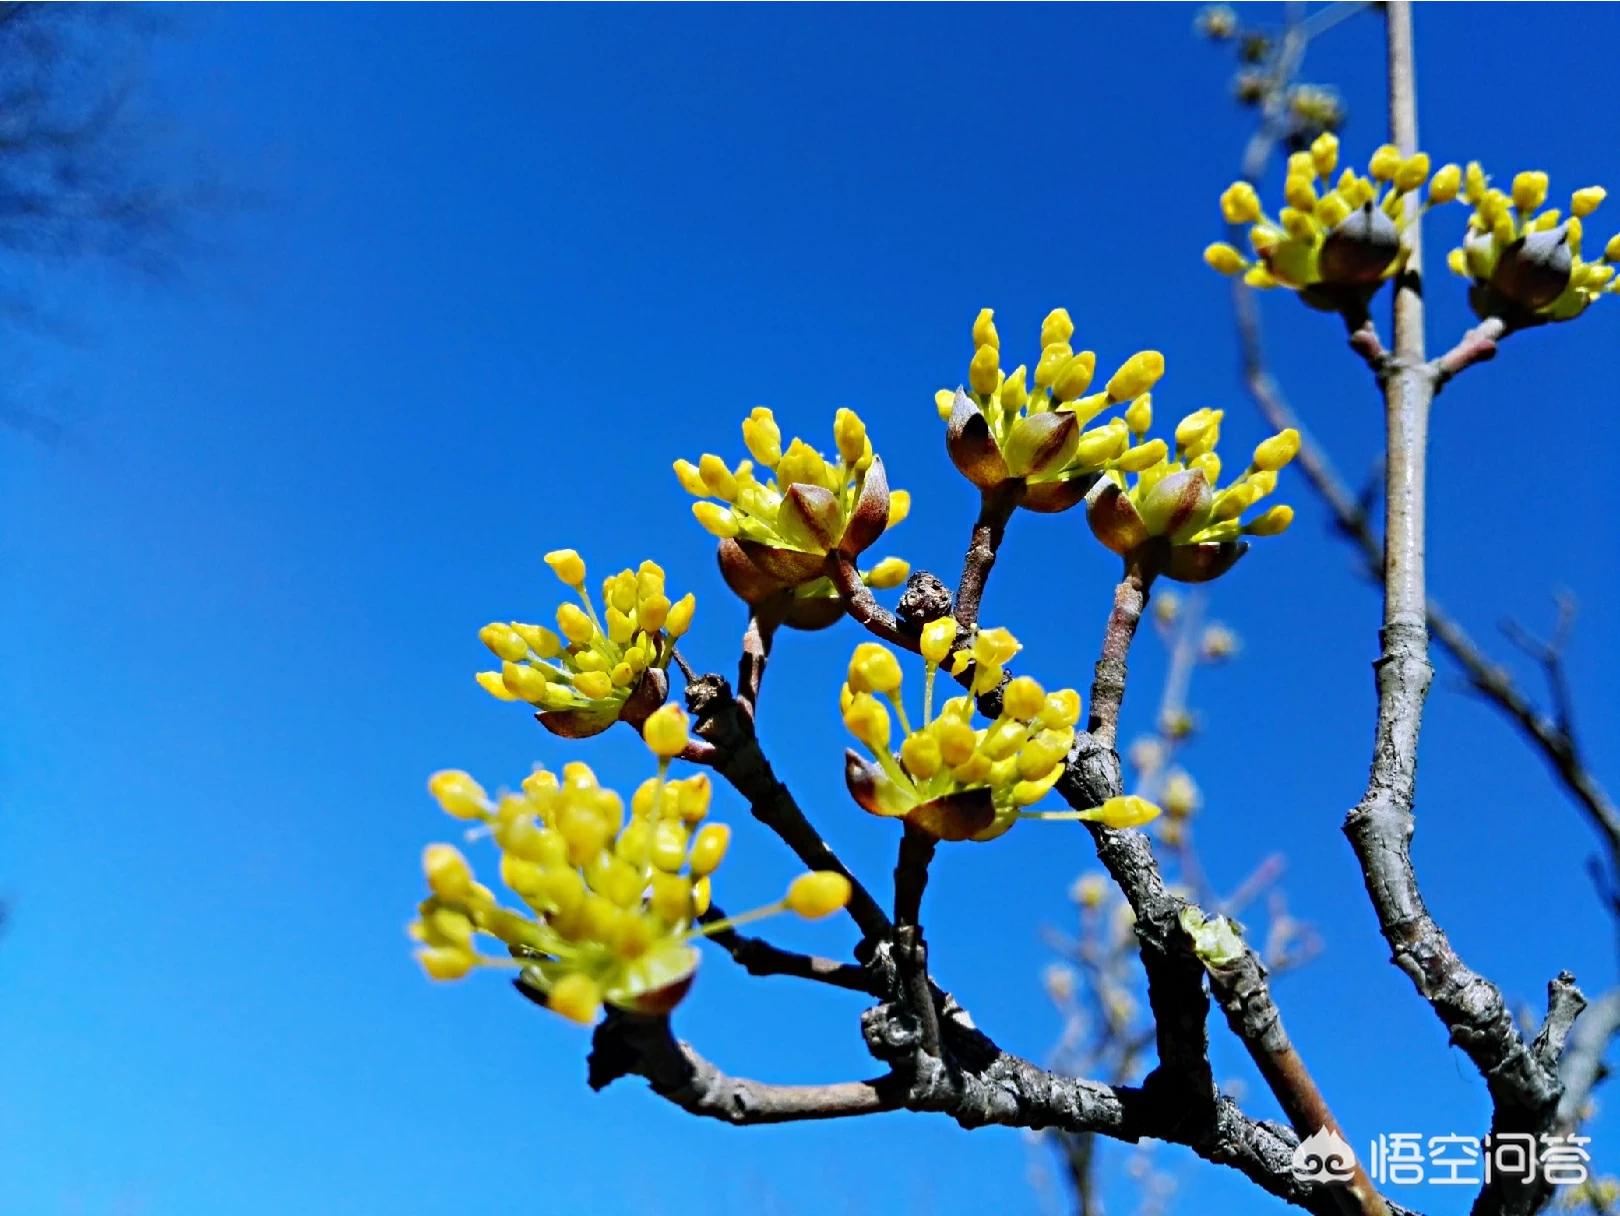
(1323, 1157)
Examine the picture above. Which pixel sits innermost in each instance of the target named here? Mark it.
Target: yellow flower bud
(984, 372)
(1445, 184)
(447, 872)
(1061, 708)
(577, 997)
(1413, 172)
(504, 641)
(984, 330)
(1014, 390)
(888, 573)
(1056, 328)
(1272, 454)
(575, 625)
(717, 477)
(1224, 258)
(567, 565)
(491, 682)
(709, 848)
(762, 437)
(1240, 204)
(1384, 162)
(1272, 523)
(1139, 415)
(691, 480)
(873, 668)
(850, 433)
(1136, 376)
(594, 685)
(994, 645)
(818, 893)
(459, 794)
(1074, 376)
(899, 507)
(868, 721)
(1299, 192)
(921, 755)
(446, 962)
(1123, 811)
(1325, 153)
(1143, 456)
(1023, 698)
(716, 520)
(1529, 190)
(1583, 202)
(1457, 260)
(680, 616)
(956, 740)
(937, 639)
(665, 731)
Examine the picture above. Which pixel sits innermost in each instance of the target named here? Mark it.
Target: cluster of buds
(1168, 514)
(1337, 238)
(1524, 264)
(1006, 434)
(610, 902)
(1217, 940)
(592, 671)
(948, 778)
(777, 536)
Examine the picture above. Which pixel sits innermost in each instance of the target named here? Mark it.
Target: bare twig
(911, 951)
(756, 650)
(995, 509)
(760, 957)
(1108, 683)
(863, 606)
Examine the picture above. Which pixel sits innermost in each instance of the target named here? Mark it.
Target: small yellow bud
(1272, 454)
(994, 645)
(1583, 202)
(665, 731)
(1061, 709)
(888, 573)
(459, 794)
(577, 997)
(503, 641)
(1143, 456)
(709, 848)
(956, 740)
(984, 330)
(717, 477)
(1299, 192)
(762, 437)
(1445, 184)
(1014, 390)
(1272, 523)
(921, 755)
(1074, 376)
(1139, 415)
(716, 520)
(567, 565)
(818, 893)
(1384, 162)
(1136, 376)
(1325, 153)
(1457, 260)
(899, 507)
(944, 402)
(1474, 182)
(1611, 251)
(446, 962)
(491, 682)
(850, 433)
(1023, 698)
(1529, 190)
(1180, 795)
(1224, 258)
(1056, 328)
(680, 615)
(1123, 811)
(873, 668)
(1240, 204)
(691, 480)
(1413, 172)
(447, 872)
(937, 639)
(868, 721)
(984, 372)
(594, 685)
(575, 625)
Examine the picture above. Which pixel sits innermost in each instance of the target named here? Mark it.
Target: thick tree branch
(911, 951)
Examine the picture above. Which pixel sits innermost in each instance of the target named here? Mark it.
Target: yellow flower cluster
(1524, 263)
(1337, 238)
(1166, 513)
(595, 669)
(1004, 430)
(809, 508)
(610, 902)
(948, 777)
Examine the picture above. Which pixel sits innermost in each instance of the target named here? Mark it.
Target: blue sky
(504, 265)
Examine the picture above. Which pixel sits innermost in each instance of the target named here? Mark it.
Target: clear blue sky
(507, 264)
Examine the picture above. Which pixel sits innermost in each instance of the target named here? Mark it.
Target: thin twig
(995, 509)
(760, 957)
(756, 650)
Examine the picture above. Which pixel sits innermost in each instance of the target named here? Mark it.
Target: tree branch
(995, 509)
(759, 957)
